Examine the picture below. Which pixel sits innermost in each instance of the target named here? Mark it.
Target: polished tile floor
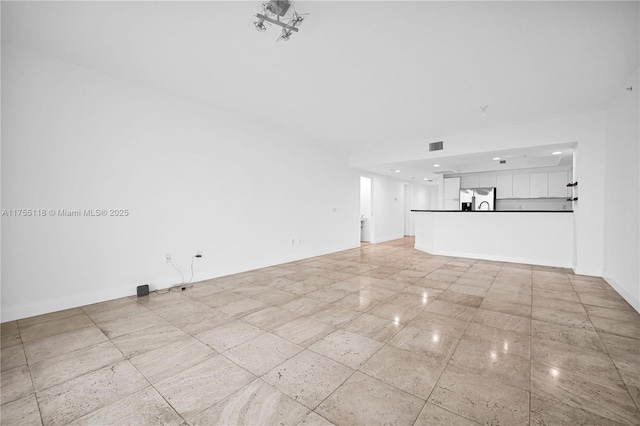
(383, 334)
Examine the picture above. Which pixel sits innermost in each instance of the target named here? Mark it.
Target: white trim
(385, 239)
(495, 258)
(634, 301)
(588, 272)
(12, 313)
(32, 309)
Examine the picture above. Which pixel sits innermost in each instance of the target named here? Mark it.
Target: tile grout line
(26, 360)
(607, 351)
(447, 364)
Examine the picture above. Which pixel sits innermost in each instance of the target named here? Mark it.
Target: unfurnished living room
(282, 212)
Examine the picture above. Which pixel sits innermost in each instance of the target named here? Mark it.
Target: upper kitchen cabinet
(452, 188)
(504, 186)
(521, 186)
(487, 181)
(558, 184)
(539, 185)
(470, 182)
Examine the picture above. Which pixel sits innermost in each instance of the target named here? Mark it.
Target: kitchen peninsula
(532, 237)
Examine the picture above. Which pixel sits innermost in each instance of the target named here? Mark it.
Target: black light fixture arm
(276, 22)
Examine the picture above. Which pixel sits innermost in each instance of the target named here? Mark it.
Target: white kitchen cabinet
(521, 186)
(452, 188)
(487, 181)
(538, 185)
(558, 184)
(470, 182)
(504, 186)
(451, 192)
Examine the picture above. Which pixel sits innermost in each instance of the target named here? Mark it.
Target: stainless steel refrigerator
(472, 199)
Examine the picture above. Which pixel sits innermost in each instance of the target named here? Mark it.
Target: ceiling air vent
(435, 146)
(503, 161)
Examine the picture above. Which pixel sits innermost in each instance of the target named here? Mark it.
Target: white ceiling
(358, 74)
(429, 171)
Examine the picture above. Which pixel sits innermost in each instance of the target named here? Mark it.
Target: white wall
(408, 206)
(388, 209)
(422, 197)
(419, 199)
(365, 196)
(622, 180)
(193, 178)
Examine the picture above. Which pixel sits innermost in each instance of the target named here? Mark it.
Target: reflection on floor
(378, 334)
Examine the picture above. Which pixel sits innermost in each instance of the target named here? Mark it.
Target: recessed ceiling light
(396, 171)
(425, 179)
(556, 153)
(436, 165)
(496, 158)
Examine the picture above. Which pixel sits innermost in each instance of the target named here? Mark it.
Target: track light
(280, 13)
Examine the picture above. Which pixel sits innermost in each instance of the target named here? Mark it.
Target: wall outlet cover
(143, 290)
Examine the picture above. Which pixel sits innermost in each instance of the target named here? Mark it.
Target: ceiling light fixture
(496, 158)
(436, 165)
(280, 13)
(556, 153)
(483, 110)
(396, 171)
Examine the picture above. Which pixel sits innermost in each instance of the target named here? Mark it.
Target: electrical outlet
(167, 258)
(293, 241)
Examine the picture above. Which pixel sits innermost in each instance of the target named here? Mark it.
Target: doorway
(366, 208)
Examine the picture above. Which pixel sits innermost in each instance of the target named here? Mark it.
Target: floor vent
(435, 146)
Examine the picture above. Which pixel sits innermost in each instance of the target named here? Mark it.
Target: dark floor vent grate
(435, 146)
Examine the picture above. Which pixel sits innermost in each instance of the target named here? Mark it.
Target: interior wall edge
(633, 300)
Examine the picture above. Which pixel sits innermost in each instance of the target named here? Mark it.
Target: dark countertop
(495, 211)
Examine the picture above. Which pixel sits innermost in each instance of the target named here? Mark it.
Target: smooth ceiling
(359, 74)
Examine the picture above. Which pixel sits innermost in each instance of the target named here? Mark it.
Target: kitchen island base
(538, 238)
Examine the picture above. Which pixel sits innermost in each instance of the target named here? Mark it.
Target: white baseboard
(423, 248)
(39, 308)
(591, 272)
(632, 299)
(12, 313)
(388, 238)
(495, 258)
